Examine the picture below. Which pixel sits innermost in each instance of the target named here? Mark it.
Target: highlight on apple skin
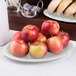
(19, 48)
(64, 37)
(17, 36)
(30, 33)
(50, 28)
(54, 45)
(41, 38)
(38, 49)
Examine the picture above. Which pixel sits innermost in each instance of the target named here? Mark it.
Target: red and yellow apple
(19, 48)
(64, 37)
(55, 45)
(41, 38)
(17, 36)
(38, 49)
(30, 33)
(50, 28)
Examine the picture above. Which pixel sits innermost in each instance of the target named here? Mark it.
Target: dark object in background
(23, 1)
(34, 2)
(46, 2)
(12, 8)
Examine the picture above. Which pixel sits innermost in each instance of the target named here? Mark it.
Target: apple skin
(55, 45)
(50, 28)
(41, 38)
(38, 49)
(30, 33)
(64, 37)
(17, 36)
(19, 48)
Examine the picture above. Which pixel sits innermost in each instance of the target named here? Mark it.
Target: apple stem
(51, 35)
(37, 43)
(39, 35)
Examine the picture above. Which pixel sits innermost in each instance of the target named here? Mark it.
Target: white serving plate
(63, 18)
(28, 58)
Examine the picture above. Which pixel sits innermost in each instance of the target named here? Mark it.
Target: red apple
(38, 49)
(55, 45)
(41, 38)
(17, 36)
(30, 33)
(50, 27)
(64, 37)
(19, 48)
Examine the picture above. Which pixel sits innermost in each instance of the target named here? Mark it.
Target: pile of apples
(37, 43)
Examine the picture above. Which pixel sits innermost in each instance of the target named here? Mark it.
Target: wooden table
(17, 22)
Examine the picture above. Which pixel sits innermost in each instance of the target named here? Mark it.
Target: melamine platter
(28, 58)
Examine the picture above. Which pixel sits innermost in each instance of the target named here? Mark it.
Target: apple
(17, 36)
(41, 38)
(19, 48)
(64, 37)
(38, 49)
(30, 33)
(54, 44)
(50, 28)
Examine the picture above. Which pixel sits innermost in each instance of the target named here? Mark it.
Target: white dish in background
(63, 18)
(28, 58)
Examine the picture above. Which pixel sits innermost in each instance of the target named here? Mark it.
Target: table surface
(62, 67)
